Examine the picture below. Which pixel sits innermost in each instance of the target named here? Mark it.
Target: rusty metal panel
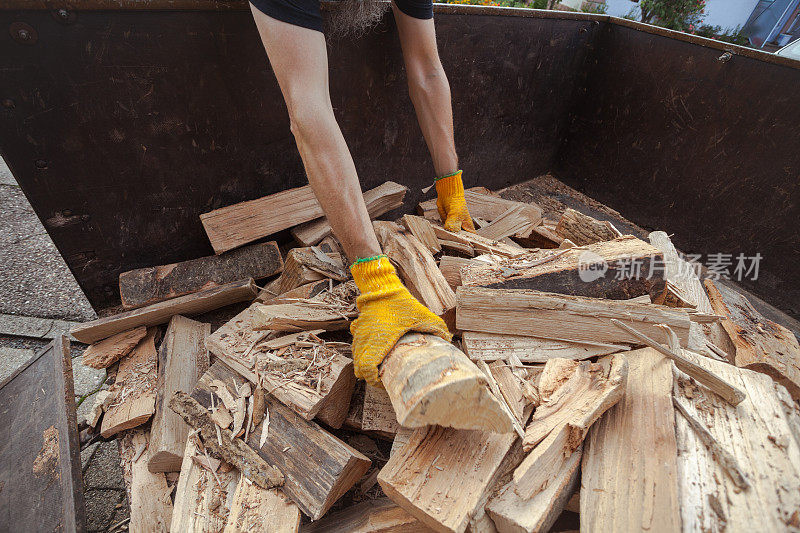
(683, 138)
(122, 127)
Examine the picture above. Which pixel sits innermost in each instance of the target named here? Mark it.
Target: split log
(134, 389)
(763, 435)
(300, 317)
(543, 236)
(629, 471)
(371, 516)
(430, 381)
(417, 269)
(451, 269)
(150, 503)
(761, 344)
(511, 388)
(475, 242)
(379, 200)
(618, 270)
(296, 447)
(401, 438)
(146, 286)
(160, 313)
(378, 413)
(510, 222)
(481, 203)
(586, 392)
(244, 350)
(253, 508)
(203, 498)
(182, 359)
(493, 347)
(302, 266)
(561, 317)
(108, 351)
(583, 229)
(305, 291)
(422, 230)
(512, 514)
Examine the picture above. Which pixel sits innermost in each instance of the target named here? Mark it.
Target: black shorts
(306, 13)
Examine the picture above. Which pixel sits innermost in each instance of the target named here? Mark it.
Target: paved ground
(39, 298)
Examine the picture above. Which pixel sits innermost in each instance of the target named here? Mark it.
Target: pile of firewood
(606, 386)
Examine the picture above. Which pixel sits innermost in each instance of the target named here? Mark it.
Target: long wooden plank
(253, 508)
(40, 468)
(620, 269)
(380, 200)
(493, 347)
(246, 351)
(318, 468)
(371, 516)
(150, 503)
(134, 389)
(108, 351)
(182, 359)
(561, 317)
(160, 313)
(763, 435)
(146, 286)
(629, 472)
(761, 344)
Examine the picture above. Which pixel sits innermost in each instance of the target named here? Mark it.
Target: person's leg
(299, 59)
(428, 88)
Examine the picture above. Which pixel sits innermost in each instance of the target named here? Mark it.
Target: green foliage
(734, 36)
(681, 15)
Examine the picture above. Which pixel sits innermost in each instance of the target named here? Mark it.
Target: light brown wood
(729, 392)
(513, 514)
(619, 269)
(510, 222)
(629, 471)
(457, 247)
(416, 267)
(483, 204)
(763, 435)
(451, 269)
(303, 266)
(371, 516)
(150, 285)
(588, 392)
(248, 352)
(305, 291)
(108, 351)
(583, 229)
(318, 468)
(202, 498)
(680, 272)
(150, 503)
(160, 313)
(378, 413)
(511, 388)
(300, 317)
(422, 230)
(380, 200)
(441, 476)
(761, 344)
(493, 346)
(253, 508)
(183, 358)
(561, 317)
(134, 389)
(476, 242)
(401, 438)
(430, 381)
(543, 236)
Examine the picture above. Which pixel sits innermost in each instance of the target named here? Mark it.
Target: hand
(387, 311)
(452, 205)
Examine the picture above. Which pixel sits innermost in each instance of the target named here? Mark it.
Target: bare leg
(300, 62)
(429, 89)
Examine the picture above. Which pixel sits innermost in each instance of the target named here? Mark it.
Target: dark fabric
(306, 13)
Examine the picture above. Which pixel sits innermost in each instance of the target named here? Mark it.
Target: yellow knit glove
(387, 311)
(451, 203)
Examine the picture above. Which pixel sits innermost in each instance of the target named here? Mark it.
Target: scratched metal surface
(677, 140)
(122, 127)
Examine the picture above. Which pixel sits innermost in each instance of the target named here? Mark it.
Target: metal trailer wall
(680, 136)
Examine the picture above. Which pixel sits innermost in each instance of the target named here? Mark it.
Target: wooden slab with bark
(493, 347)
(160, 313)
(150, 285)
(371, 516)
(561, 317)
(150, 502)
(318, 468)
(243, 349)
(430, 381)
(182, 359)
(108, 351)
(134, 389)
(380, 200)
(763, 435)
(619, 269)
(583, 229)
(254, 508)
(629, 472)
(41, 486)
(761, 344)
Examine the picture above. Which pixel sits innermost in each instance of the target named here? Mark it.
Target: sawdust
(46, 461)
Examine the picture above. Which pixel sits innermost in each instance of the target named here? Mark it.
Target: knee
(308, 118)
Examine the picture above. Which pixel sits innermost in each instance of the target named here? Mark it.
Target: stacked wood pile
(612, 402)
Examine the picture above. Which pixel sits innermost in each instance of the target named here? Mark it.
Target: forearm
(430, 94)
